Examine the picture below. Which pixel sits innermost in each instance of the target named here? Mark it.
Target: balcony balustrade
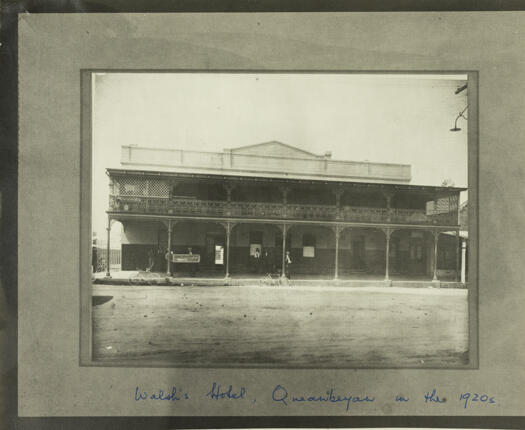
(261, 210)
(364, 214)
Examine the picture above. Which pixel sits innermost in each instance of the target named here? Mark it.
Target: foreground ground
(280, 326)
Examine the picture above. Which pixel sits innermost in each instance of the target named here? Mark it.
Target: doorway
(358, 262)
(214, 253)
(417, 263)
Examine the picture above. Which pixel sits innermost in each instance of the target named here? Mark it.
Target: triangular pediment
(274, 149)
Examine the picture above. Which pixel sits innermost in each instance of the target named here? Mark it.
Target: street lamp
(460, 115)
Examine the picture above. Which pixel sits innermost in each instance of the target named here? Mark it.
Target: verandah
(317, 251)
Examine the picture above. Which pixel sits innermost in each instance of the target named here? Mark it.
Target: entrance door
(417, 256)
(214, 252)
(358, 254)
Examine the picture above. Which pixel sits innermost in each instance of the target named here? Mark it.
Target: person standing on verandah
(287, 265)
(168, 257)
(267, 263)
(257, 261)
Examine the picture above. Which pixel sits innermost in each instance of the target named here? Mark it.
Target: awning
(462, 233)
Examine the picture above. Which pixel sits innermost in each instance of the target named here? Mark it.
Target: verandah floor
(253, 278)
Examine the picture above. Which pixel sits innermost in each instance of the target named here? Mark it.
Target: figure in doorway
(94, 260)
(257, 260)
(159, 260)
(151, 261)
(267, 262)
(287, 265)
(193, 266)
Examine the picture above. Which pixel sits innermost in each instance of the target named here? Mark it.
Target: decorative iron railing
(218, 208)
(255, 209)
(409, 216)
(364, 214)
(311, 212)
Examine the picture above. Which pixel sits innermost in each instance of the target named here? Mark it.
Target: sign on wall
(309, 251)
(219, 254)
(186, 258)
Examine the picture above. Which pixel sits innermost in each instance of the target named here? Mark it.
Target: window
(447, 258)
(308, 245)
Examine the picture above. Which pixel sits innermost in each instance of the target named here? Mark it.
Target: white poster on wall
(309, 251)
(219, 254)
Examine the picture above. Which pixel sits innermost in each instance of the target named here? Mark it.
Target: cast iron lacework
(152, 196)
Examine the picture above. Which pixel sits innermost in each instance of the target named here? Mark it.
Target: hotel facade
(238, 212)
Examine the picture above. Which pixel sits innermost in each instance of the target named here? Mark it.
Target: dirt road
(324, 327)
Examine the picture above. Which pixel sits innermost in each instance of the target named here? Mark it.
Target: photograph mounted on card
(269, 215)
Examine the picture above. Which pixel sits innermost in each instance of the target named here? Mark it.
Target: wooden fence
(101, 259)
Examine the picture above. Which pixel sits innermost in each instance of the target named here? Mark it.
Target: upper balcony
(252, 198)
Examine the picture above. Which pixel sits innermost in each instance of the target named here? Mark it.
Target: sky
(389, 118)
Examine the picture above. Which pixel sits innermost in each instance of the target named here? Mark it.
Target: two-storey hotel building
(337, 219)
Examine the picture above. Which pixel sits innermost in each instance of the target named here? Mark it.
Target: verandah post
(458, 245)
(283, 267)
(463, 261)
(229, 189)
(228, 234)
(388, 194)
(284, 190)
(337, 231)
(436, 239)
(338, 192)
(388, 232)
(168, 260)
(108, 261)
